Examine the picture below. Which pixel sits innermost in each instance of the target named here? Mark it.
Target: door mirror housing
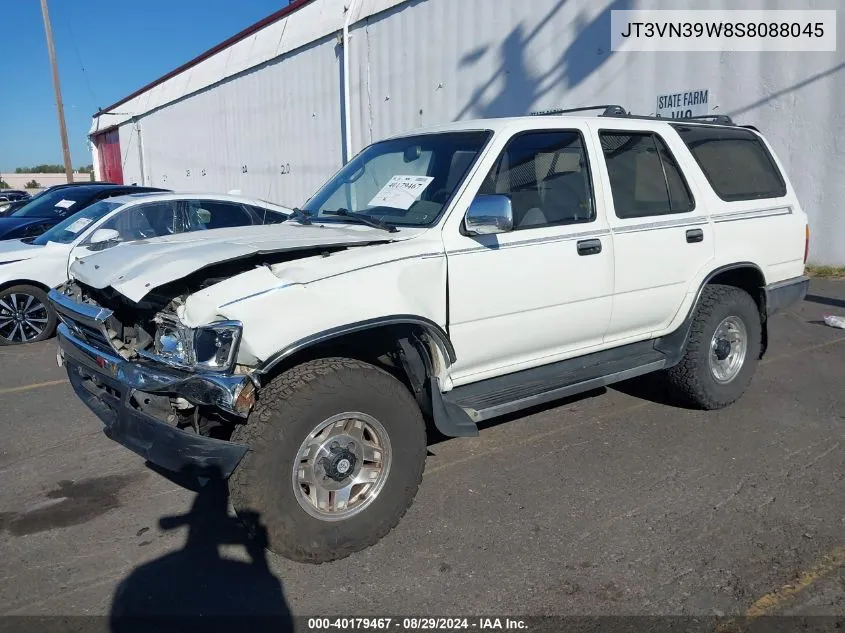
(489, 214)
(103, 238)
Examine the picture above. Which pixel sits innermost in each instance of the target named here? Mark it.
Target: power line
(79, 59)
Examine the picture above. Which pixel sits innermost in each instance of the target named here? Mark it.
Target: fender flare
(436, 333)
(674, 343)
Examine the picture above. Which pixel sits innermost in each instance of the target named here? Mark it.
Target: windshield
(53, 205)
(67, 230)
(404, 181)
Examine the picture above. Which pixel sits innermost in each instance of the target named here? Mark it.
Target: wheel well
(750, 279)
(23, 282)
(380, 346)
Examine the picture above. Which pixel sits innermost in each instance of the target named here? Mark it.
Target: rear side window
(268, 216)
(209, 214)
(644, 177)
(735, 161)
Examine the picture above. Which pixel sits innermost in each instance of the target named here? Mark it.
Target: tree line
(52, 169)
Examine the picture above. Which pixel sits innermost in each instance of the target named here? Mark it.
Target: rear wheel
(722, 350)
(337, 451)
(25, 315)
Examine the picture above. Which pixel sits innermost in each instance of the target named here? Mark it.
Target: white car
(443, 277)
(30, 267)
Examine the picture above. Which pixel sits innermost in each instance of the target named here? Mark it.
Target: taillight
(806, 242)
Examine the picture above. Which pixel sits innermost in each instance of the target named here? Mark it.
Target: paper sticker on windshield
(401, 192)
(65, 204)
(77, 225)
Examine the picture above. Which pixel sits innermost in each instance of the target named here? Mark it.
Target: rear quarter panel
(768, 233)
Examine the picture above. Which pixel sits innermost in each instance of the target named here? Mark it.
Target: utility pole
(57, 89)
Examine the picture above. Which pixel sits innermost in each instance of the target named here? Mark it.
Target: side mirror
(102, 237)
(489, 214)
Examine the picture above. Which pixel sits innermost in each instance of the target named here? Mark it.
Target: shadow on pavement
(195, 589)
(828, 301)
(654, 388)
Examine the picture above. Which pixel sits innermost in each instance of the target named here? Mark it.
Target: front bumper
(107, 384)
(781, 295)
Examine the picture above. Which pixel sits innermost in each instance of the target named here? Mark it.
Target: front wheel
(25, 315)
(337, 451)
(722, 350)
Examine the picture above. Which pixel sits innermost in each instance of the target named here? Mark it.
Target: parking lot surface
(614, 503)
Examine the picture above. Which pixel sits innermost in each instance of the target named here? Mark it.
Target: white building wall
(421, 62)
(130, 157)
(272, 132)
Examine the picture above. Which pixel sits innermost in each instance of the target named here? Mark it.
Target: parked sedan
(30, 267)
(48, 209)
(9, 195)
(9, 207)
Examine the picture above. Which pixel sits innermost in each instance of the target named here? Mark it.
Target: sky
(121, 45)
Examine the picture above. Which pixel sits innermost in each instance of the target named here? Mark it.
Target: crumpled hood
(16, 250)
(135, 268)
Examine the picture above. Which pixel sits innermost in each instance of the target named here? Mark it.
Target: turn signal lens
(245, 400)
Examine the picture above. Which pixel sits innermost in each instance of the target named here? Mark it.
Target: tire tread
(258, 433)
(688, 377)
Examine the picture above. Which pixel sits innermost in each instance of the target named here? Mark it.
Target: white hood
(135, 268)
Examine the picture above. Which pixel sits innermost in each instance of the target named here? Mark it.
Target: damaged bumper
(108, 384)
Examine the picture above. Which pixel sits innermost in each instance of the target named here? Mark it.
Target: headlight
(212, 347)
(216, 345)
(4, 206)
(173, 343)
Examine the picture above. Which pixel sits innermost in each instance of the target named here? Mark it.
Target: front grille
(95, 337)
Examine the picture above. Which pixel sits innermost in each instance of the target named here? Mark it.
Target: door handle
(695, 235)
(589, 247)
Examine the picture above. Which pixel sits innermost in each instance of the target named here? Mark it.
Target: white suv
(441, 278)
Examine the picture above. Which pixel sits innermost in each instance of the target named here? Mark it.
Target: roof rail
(617, 111)
(721, 119)
(609, 110)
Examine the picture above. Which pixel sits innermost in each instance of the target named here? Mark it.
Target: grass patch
(826, 272)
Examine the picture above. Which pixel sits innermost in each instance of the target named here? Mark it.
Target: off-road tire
(40, 295)
(289, 408)
(692, 377)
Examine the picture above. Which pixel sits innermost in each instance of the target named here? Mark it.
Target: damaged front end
(168, 392)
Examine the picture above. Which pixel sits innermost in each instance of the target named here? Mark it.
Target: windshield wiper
(363, 218)
(303, 217)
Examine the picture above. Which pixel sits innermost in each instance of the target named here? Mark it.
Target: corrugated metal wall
(421, 62)
(273, 132)
(130, 154)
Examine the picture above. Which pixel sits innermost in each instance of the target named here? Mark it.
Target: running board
(505, 394)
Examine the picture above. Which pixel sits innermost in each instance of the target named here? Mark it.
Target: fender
(674, 343)
(437, 334)
(416, 359)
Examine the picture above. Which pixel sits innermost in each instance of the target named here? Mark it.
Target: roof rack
(609, 110)
(617, 111)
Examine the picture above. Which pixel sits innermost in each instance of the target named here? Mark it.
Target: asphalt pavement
(616, 503)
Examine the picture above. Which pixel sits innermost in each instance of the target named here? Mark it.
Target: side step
(505, 394)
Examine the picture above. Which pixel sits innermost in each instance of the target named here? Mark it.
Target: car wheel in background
(25, 315)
